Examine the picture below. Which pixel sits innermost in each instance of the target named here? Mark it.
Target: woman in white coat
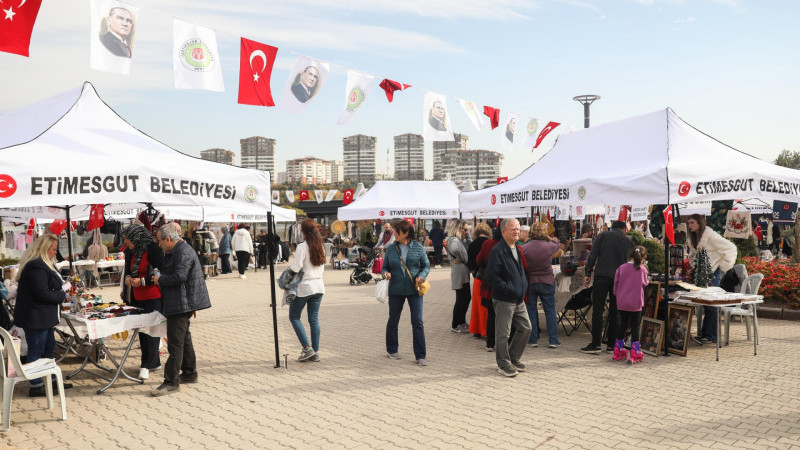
(721, 255)
(242, 246)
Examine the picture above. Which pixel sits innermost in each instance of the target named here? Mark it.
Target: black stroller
(362, 273)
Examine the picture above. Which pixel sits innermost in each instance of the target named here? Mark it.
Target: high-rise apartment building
(258, 153)
(444, 159)
(219, 155)
(359, 158)
(309, 170)
(474, 165)
(409, 157)
(337, 171)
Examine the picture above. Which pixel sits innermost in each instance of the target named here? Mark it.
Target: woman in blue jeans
(310, 258)
(539, 252)
(403, 286)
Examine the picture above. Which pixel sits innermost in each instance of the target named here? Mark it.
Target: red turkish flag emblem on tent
(347, 197)
(381, 213)
(304, 195)
(494, 199)
(545, 131)
(16, 25)
(96, 217)
(255, 71)
(8, 185)
(669, 226)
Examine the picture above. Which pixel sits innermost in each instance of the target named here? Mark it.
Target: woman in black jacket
(39, 297)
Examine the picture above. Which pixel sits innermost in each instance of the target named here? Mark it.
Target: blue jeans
(547, 294)
(41, 344)
(709, 329)
(296, 309)
(395, 309)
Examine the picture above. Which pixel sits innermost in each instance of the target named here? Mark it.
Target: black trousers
(632, 320)
(460, 308)
(437, 255)
(604, 287)
(242, 260)
(490, 318)
(181, 351)
(226, 263)
(149, 344)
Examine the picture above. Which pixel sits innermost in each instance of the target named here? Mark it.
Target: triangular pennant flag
(332, 193)
(111, 42)
(493, 114)
(196, 63)
(255, 72)
(304, 196)
(347, 196)
(669, 227)
(319, 195)
(357, 90)
(96, 217)
(545, 131)
(389, 86)
(472, 113)
(290, 196)
(16, 26)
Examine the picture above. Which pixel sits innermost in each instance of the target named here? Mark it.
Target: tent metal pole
(69, 241)
(271, 262)
(666, 286)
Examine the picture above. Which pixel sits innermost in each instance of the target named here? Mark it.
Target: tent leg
(69, 242)
(271, 262)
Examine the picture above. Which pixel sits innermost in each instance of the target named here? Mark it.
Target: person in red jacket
(142, 257)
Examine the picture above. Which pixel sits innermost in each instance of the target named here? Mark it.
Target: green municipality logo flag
(196, 62)
(356, 92)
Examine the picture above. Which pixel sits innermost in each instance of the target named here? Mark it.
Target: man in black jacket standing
(609, 251)
(506, 273)
(183, 291)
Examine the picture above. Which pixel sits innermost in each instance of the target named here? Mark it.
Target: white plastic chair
(44, 373)
(750, 286)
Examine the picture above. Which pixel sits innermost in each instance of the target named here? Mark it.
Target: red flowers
(781, 280)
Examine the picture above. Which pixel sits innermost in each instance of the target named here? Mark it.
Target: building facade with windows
(258, 152)
(445, 157)
(409, 157)
(309, 170)
(219, 155)
(359, 158)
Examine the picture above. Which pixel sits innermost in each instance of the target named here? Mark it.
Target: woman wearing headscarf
(142, 257)
(39, 297)
(225, 251)
(457, 231)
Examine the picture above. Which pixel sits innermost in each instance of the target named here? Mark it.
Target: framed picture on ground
(651, 335)
(652, 297)
(679, 328)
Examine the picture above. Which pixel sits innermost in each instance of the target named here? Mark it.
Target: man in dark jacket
(183, 291)
(609, 251)
(506, 273)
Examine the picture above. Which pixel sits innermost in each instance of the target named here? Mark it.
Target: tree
(792, 160)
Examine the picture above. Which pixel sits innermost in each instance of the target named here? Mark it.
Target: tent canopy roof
(399, 199)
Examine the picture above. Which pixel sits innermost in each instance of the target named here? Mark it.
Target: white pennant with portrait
(305, 81)
(356, 92)
(195, 58)
(113, 28)
(435, 118)
(509, 132)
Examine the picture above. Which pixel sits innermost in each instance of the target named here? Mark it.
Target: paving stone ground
(357, 398)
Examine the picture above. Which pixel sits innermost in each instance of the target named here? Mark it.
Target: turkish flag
(16, 25)
(545, 131)
(255, 71)
(31, 226)
(347, 196)
(757, 232)
(58, 226)
(623, 213)
(493, 114)
(669, 226)
(303, 195)
(96, 217)
(501, 180)
(389, 86)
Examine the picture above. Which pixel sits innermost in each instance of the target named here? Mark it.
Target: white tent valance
(400, 199)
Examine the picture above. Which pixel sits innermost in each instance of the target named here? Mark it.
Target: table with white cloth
(719, 301)
(87, 340)
(82, 266)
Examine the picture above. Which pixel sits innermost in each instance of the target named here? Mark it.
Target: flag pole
(271, 262)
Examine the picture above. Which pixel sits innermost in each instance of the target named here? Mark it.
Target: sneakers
(315, 358)
(591, 349)
(422, 362)
(463, 328)
(554, 345)
(144, 373)
(620, 354)
(438, 266)
(532, 344)
(164, 389)
(394, 355)
(489, 349)
(306, 354)
(242, 277)
(188, 379)
(509, 372)
(636, 353)
(519, 366)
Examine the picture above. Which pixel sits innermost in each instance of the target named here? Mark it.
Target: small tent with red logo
(401, 199)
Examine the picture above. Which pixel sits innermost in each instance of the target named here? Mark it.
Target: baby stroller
(361, 273)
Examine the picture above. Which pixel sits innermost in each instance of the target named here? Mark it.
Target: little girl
(629, 283)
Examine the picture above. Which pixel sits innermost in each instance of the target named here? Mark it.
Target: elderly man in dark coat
(183, 291)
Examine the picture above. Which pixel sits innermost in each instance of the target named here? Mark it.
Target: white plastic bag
(382, 291)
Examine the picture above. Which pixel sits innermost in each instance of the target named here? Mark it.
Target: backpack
(97, 251)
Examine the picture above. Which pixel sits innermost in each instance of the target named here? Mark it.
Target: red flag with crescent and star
(31, 226)
(96, 217)
(493, 114)
(58, 226)
(545, 131)
(669, 226)
(347, 196)
(16, 25)
(389, 86)
(304, 196)
(255, 72)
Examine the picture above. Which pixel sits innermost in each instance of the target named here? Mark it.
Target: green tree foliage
(788, 159)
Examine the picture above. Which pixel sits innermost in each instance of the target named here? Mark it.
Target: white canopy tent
(655, 158)
(212, 214)
(73, 149)
(400, 199)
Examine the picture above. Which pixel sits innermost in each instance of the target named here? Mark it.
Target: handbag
(423, 287)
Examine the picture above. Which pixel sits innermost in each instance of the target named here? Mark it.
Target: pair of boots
(620, 354)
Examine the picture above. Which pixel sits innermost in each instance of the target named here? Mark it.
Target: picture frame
(652, 297)
(651, 336)
(679, 328)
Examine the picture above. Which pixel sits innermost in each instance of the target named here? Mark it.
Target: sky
(728, 67)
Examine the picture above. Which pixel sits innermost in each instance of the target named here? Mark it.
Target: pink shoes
(636, 354)
(620, 354)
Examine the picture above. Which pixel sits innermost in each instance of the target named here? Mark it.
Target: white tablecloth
(152, 323)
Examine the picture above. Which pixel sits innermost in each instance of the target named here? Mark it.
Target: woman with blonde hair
(457, 231)
(39, 297)
(539, 252)
(479, 314)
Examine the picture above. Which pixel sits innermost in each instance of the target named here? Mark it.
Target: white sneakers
(242, 277)
(144, 374)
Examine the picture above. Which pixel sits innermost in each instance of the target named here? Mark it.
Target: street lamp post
(586, 100)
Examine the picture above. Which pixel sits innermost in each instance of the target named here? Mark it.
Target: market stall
(400, 199)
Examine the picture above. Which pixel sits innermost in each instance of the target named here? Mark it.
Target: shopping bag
(382, 291)
(377, 266)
